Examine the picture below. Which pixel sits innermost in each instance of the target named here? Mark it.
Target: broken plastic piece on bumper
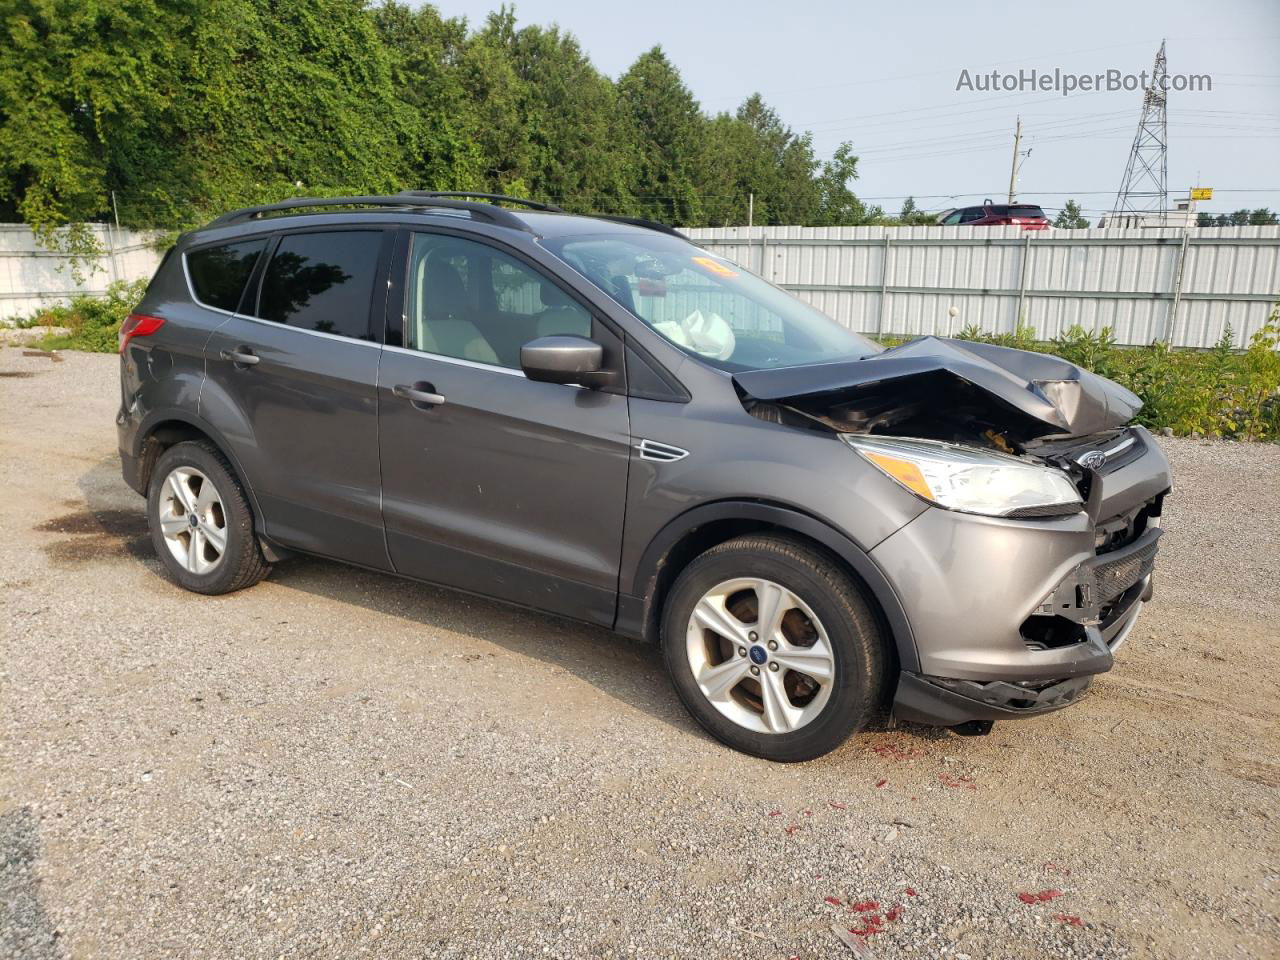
(1082, 594)
(1028, 695)
(946, 702)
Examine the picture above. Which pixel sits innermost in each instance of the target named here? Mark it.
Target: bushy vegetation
(1220, 392)
(172, 111)
(92, 322)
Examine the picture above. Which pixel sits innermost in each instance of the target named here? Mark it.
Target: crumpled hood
(1033, 394)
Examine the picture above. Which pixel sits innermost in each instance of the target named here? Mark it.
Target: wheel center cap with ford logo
(758, 654)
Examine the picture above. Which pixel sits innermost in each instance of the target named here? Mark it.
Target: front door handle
(241, 355)
(418, 393)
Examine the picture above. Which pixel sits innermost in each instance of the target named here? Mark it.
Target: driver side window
(469, 301)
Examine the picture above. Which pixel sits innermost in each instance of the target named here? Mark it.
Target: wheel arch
(162, 429)
(705, 526)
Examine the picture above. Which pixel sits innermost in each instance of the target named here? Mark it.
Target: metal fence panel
(907, 280)
(897, 280)
(32, 277)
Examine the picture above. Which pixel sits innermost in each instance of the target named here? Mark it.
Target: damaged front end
(1031, 573)
(940, 389)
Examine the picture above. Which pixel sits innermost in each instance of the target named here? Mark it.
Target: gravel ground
(338, 763)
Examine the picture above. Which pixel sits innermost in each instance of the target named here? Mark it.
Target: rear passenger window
(322, 281)
(218, 274)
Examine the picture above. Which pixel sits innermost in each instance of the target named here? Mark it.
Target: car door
(292, 386)
(492, 482)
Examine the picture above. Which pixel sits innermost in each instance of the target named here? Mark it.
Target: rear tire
(798, 682)
(200, 520)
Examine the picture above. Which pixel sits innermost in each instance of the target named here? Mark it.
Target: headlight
(968, 479)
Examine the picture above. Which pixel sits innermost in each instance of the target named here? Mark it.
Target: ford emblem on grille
(1093, 460)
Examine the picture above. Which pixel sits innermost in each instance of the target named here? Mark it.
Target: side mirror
(564, 358)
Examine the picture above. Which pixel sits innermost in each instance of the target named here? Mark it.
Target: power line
(940, 72)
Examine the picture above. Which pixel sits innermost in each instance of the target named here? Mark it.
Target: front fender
(636, 612)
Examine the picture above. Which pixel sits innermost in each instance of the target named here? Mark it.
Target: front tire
(201, 524)
(773, 649)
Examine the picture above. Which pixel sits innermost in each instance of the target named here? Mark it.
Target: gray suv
(596, 418)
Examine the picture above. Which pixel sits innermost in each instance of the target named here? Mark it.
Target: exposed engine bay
(957, 391)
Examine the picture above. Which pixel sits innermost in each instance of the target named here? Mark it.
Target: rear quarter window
(218, 274)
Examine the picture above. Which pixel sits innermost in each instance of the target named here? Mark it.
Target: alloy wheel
(760, 655)
(193, 520)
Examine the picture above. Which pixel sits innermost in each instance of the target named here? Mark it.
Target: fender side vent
(660, 452)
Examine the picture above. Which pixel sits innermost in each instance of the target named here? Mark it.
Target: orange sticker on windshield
(714, 266)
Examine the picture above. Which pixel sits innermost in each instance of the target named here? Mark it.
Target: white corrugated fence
(32, 277)
(1145, 284)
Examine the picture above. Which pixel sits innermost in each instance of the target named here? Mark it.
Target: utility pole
(751, 209)
(1013, 170)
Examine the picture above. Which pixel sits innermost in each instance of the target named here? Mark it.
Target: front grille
(1114, 577)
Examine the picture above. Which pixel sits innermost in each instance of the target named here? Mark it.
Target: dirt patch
(96, 535)
(1250, 768)
(338, 762)
(17, 374)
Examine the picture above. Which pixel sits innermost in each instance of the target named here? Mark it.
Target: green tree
(579, 151)
(838, 206)
(1070, 217)
(180, 110)
(280, 95)
(184, 109)
(665, 125)
(911, 215)
(424, 50)
(79, 82)
(752, 155)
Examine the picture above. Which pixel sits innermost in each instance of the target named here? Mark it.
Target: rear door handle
(241, 355)
(416, 394)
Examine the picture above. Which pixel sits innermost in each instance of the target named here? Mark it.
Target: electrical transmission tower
(1145, 188)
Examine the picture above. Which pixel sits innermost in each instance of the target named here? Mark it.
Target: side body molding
(637, 616)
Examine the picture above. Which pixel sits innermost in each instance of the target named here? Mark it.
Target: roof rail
(641, 222)
(486, 211)
(492, 197)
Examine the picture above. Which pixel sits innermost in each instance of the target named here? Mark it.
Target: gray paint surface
(537, 493)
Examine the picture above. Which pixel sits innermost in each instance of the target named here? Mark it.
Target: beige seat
(560, 314)
(442, 325)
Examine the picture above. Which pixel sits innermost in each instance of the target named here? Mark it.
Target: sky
(885, 75)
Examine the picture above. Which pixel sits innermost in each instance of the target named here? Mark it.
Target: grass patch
(93, 322)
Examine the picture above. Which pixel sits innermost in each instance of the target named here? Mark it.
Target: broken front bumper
(1013, 618)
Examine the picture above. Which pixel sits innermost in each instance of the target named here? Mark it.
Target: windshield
(707, 306)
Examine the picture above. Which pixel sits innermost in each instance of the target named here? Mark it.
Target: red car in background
(1029, 216)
